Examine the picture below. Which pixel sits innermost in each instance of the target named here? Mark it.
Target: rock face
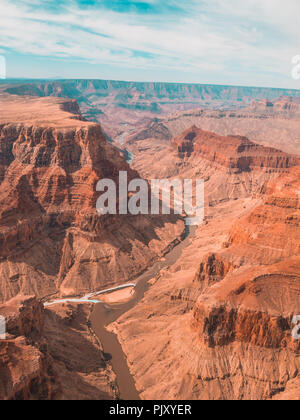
(45, 353)
(51, 237)
(271, 232)
(254, 306)
(233, 167)
(286, 105)
(212, 270)
(26, 367)
(224, 326)
(83, 369)
(234, 152)
(271, 123)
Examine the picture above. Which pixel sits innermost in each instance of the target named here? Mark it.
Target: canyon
(51, 160)
(124, 106)
(222, 319)
(210, 313)
(271, 123)
(52, 238)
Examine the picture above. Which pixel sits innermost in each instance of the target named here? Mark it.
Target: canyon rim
(149, 229)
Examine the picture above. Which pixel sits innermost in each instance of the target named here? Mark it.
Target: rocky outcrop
(45, 352)
(267, 237)
(254, 307)
(271, 232)
(286, 105)
(212, 270)
(234, 152)
(26, 367)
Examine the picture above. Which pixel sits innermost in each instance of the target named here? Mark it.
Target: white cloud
(216, 35)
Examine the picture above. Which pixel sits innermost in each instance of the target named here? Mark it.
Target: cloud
(224, 36)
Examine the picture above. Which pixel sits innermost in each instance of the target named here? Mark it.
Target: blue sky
(249, 42)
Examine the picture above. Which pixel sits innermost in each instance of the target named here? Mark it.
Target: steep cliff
(51, 354)
(51, 237)
(271, 123)
(224, 325)
(234, 152)
(25, 365)
(233, 167)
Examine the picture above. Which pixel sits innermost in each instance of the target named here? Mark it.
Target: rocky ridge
(124, 106)
(271, 123)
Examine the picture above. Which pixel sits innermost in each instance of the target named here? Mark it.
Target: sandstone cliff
(234, 152)
(224, 324)
(51, 354)
(233, 167)
(26, 367)
(51, 236)
(271, 123)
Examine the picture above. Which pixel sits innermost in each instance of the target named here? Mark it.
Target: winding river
(105, 314)
(127, 154)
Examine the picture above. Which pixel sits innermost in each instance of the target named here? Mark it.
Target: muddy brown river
(105, 314)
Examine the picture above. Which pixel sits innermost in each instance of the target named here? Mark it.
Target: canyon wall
(222, 316)
(51, 237)
(269, 123)
(234, 152)
(125, 106)
(45, 353)
(26, 366)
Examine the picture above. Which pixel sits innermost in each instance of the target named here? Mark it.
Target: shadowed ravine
(104, 314)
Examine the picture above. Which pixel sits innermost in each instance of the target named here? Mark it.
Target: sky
(234, 42)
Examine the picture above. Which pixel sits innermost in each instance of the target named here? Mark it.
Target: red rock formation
(228, 332)
(271, 232)
(231, 151)
(51, 354)
(255, 306)
(51, 236)
(212, 270)
(269, 123)
(26, 370)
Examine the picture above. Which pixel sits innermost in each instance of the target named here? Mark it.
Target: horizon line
(55, 79)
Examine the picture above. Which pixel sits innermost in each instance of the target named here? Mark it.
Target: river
(127, 154)
(104, 314)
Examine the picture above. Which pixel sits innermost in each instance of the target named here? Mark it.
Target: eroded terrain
(211, 321)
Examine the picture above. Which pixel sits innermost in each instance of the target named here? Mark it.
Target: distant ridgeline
(146, 96)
